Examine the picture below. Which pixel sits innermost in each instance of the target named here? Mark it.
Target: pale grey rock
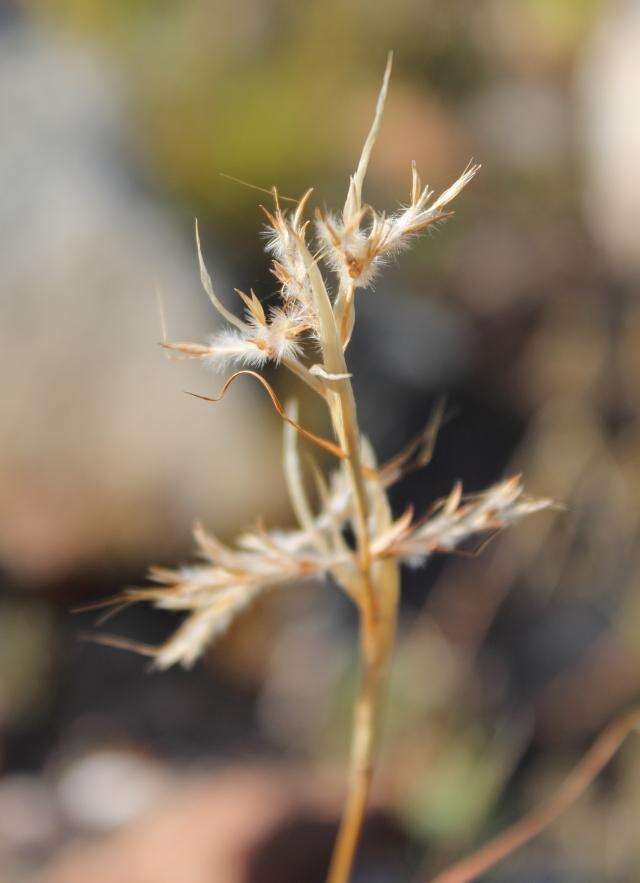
(102, 455)
(608, 85)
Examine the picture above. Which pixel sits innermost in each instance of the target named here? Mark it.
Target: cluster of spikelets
(353, 245)
(229, 579)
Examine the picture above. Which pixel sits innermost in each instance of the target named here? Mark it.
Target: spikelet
(214, 592)
(285, 235)
(356, 255)
(276, 339)
(458, 519)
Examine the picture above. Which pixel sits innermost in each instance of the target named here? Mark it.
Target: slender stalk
(576, 783)
(361, 768)
(375, 645)
(378, 599)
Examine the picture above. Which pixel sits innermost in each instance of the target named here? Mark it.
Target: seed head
(305, 324)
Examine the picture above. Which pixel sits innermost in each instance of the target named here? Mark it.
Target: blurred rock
(247, 823)
(102, 456)
(133, 783)
(523, 124)
(608, 85)
(203, 831)
(28, 817)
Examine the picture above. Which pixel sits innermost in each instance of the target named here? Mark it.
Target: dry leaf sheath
(308, 333)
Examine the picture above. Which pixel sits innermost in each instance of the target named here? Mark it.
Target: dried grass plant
(308, 334)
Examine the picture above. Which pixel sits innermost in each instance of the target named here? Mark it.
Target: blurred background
(117, 118)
